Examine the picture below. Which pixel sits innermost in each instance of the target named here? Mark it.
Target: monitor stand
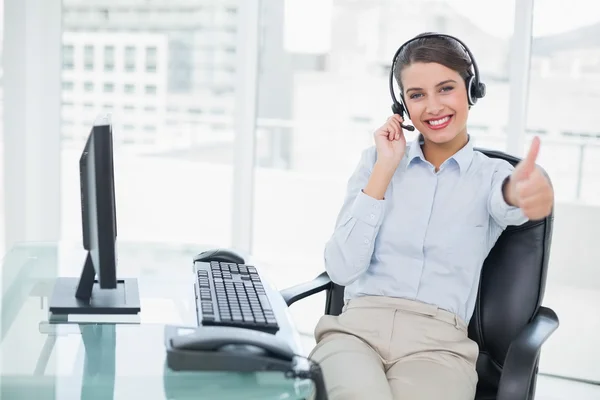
(84, 295)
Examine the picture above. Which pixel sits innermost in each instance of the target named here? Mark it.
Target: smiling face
(436, 98)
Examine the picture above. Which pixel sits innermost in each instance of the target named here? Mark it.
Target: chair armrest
(298, 292)
(522, 357)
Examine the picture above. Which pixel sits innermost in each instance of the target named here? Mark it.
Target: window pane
(88, 58)
(130, 54)
(129, 88)
(109, 58)
(68, 57)
(564, 93)
(322, 94)
(173, 181)
(151, 57)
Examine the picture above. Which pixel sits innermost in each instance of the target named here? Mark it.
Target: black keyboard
(229, 294)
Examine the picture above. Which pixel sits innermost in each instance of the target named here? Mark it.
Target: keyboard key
(264, 301)
(205, 294)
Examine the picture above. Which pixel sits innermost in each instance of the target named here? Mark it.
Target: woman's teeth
(435, 122)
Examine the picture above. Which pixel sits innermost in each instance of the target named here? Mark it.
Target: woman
(410, 240)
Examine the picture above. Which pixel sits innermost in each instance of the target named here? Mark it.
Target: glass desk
(45, 358)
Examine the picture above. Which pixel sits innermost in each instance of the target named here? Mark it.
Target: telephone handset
(231, 339)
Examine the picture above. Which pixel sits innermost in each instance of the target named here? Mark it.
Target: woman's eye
(415, 95)
(447, 88)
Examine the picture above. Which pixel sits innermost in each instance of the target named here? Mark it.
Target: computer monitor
(97, 290)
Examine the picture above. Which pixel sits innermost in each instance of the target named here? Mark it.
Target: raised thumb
(527, 165)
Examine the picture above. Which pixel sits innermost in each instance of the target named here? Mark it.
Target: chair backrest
(510, 293)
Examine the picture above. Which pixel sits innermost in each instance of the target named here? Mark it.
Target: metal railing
(573, 162)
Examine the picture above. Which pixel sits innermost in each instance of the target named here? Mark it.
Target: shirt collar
(462, 157)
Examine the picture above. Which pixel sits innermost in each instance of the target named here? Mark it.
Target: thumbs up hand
(528, 188)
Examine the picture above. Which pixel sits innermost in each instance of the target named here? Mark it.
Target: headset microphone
(408, 127)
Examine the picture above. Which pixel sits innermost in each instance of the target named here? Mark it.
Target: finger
(526, 188)
(535, 199)
(396, 128)
(524, 170)
(537, 183)
(400, 132)
(401, 136)
(398, 118)
(537, 207)
(391, 131)
(386, 129)
(534, 150)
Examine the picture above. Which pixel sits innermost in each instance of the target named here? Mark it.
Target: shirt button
(367, 241)
(372, 216)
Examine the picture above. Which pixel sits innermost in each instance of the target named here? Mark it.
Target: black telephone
(219, 348)
(225, 348)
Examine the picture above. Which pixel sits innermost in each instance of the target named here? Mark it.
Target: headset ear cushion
(481, 90)
(397, 108)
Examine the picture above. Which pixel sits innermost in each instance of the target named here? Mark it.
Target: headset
(475, 88)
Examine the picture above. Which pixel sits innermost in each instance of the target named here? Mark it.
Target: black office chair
(508, 323)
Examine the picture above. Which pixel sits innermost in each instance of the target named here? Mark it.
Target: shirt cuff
(367, 209)
(509, 215)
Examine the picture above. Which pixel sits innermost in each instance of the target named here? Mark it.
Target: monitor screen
(98, 203)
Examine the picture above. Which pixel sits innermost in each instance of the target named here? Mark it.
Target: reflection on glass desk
(122, 359)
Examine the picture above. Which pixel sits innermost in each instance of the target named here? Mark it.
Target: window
(109, 58)
(151, 59)
(67, 86)
(150, 89)
(164, 54)
(88, 86)
(88, 57)
(109, 87)
(130, 55)
(68, 57)
(181, 63)
(569, 87)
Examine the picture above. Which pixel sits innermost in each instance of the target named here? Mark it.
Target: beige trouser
(383, 348)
